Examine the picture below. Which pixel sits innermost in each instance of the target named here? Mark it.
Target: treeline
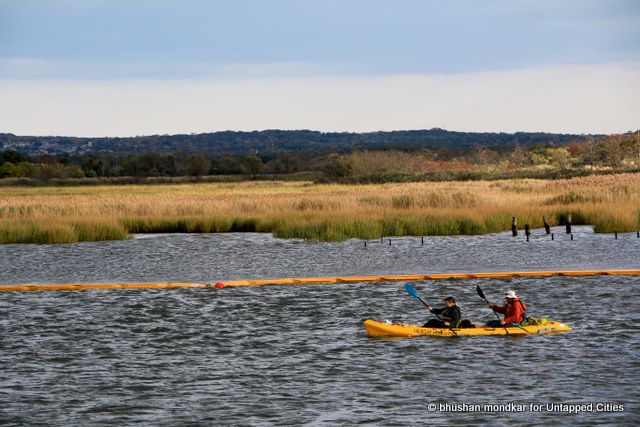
(616, 152)
(14, 164)
(271, 142)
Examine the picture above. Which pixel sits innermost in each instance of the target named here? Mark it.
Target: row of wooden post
(527, 230)
(547, 227)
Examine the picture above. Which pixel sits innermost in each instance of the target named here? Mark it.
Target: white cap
(510, 294)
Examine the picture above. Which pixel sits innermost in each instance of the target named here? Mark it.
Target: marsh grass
(327, 212)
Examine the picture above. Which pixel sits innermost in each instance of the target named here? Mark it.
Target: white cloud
(570, 99)
(37, 68)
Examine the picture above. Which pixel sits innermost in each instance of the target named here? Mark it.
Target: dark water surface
(296, 355)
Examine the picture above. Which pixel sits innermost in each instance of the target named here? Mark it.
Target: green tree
(94, 167)
(168, 165)
(339, 167)
(253, 165)
(21, 170)
(227, 165)
(197, 165)
(8, 170)
(590, 153)
(289, 162)
(73, 171)
(560, 158)
(12, 156)
(611, 151)
(26, 169)
(50, 170)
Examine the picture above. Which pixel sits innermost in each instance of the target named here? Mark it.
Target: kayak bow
(381, 329)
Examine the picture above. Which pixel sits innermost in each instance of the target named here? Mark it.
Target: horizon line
(322, 132)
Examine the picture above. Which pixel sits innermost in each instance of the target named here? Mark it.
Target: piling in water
(568, 225)
(514, 227)
(547, 227)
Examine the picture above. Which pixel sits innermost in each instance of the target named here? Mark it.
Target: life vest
(513, 313)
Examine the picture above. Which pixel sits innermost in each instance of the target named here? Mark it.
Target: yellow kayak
(381, 329)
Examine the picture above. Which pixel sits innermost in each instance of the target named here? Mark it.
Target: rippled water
(215, 257)
(299, 354)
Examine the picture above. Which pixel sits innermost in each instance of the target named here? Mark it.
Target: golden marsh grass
(306, 210)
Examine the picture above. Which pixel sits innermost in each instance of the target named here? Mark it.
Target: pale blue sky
(327, 42)
(326, 36)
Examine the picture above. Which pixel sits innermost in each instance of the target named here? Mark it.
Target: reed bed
(329, 212)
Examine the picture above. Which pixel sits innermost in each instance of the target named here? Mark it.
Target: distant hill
(277, 141)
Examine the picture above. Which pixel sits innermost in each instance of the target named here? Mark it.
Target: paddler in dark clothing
(450, 315)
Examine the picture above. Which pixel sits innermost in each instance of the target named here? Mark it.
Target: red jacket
(513, 313)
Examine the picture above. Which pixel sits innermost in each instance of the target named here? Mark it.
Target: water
(218, 257)
(283, 355)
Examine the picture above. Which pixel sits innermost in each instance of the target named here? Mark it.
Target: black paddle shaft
(481, 294)
(427, 305)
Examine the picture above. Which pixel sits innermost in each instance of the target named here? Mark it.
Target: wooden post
(616, 234)
(638, 234)
(547, 227)
(552, 236)
(571, 236)
(514, 227)
(365, 243)
(568, 224)
(389, 242)
(381, 239)
(422, 238)
(527, 231)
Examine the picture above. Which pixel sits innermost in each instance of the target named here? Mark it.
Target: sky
(124, 68)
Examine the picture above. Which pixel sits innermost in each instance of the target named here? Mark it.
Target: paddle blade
(410, 290)
(480, 293)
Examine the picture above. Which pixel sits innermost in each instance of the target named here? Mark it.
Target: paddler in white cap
(513, 311)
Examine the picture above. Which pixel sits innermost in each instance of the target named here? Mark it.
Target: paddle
(481, 294)
(413, 293)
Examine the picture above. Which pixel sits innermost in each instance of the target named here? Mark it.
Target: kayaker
(450, 315)
(513, 311)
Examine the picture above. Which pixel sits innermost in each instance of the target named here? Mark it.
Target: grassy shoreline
(318, 178)
(330, 212)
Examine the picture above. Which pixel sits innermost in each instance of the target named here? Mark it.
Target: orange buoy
(219, 285)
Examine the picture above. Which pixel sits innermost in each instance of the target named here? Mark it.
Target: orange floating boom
(312, 280)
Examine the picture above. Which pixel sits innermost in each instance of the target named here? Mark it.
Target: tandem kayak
(381, 329)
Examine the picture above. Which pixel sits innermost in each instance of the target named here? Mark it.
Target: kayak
(382, 329)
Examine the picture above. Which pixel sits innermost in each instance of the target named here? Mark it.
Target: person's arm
(498, 308)
(437, 310)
